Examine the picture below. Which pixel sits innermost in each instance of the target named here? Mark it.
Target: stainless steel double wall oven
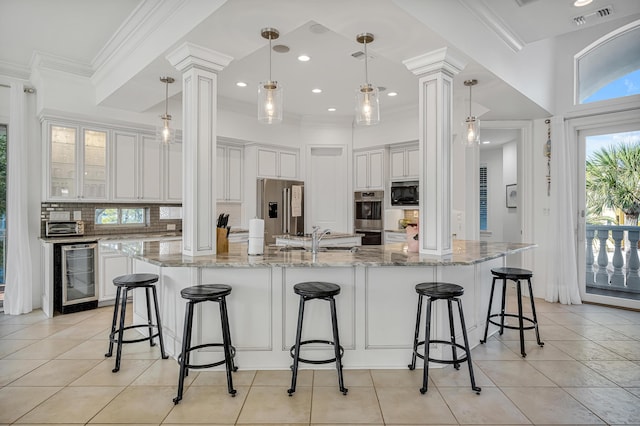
(368, 214)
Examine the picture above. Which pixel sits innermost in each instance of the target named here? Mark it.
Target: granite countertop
(307, 237)
(107, 237)
(168, 253)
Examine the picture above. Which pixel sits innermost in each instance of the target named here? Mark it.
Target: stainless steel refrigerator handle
(288, 217)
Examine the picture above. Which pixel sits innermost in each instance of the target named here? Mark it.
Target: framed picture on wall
(512, 196)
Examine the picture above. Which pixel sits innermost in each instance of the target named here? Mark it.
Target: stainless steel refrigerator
(281, 205)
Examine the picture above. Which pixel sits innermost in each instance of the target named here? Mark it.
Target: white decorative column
(435, 71)
(199, 67)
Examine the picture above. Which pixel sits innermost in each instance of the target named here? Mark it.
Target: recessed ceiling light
(316, 90)
(392, 94)
(486, 142)
(332, 109)
(580, 3)
(303, 58)
(241, 84)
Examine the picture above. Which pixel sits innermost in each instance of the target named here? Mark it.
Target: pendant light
(367, 106)
(270, 92)
(165, 133)
(471, 134)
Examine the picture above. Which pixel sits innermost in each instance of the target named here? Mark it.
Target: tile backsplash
(87, 213)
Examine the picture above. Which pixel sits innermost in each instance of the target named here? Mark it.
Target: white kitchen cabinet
(76, 162)
(137, 167)
(404, 162)
(173, 173)
(229, 173)
(111, 264)
(369, 170)
(394, 237)
(277, 163)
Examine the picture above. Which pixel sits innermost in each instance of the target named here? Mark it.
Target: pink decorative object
(412, 238)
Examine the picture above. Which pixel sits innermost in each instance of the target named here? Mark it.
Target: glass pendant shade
(270, 102)
(471, 126)
(367, 100)
(367, 105)
(164, 133)
(471, 135)
(270, 92)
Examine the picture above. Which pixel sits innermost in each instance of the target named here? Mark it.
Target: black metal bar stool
(516, 275)
(195, 295)
(124, 284)
(323, 291)
(450, 293)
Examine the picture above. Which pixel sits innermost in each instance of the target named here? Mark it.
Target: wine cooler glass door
(79, 273)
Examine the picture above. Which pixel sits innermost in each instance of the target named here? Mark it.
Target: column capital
(442, 59)
(190, 55)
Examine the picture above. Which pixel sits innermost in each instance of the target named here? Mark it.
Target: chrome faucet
(316, 236)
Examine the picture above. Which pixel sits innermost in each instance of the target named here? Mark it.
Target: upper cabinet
(92, 164)
(369, 170)
(137, 167)
(277, 163)
(229, 173)
(404, 162)
(76, 162)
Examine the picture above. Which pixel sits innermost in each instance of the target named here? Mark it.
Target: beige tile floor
(53, 371)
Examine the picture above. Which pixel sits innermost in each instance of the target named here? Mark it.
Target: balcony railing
(614, 268)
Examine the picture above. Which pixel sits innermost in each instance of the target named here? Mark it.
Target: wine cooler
(75, 275)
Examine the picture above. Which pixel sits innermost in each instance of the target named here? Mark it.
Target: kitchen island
(376, 307)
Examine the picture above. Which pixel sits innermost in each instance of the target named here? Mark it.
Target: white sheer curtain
(19, 280)
(562, 273)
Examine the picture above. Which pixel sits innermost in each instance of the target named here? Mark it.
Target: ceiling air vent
(522, 3)
(360, 55)
(600, 13)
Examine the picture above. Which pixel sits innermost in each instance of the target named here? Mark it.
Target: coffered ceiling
(122, 46)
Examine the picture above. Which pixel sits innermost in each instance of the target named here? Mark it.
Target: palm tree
(613, 181)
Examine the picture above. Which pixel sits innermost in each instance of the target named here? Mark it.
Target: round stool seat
(439, 290)
(205, 292)
(316, 289)
(512, 273)
(135, 280)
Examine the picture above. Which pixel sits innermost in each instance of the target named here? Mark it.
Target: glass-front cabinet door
(94, 179)
(63, 182)
(78, 163)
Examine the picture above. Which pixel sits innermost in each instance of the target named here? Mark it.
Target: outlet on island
(171, 226)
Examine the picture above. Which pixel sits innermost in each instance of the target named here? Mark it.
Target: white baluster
(617, 278)
(590, 233)
(602, 276)
(633, 277)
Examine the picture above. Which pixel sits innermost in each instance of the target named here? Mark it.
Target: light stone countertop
(168, 253)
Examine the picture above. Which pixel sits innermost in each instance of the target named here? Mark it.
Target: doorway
(609, 159)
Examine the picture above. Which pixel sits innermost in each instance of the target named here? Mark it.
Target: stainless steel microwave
(405, 193)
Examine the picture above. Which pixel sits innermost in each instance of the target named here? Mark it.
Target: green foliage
(613, 180)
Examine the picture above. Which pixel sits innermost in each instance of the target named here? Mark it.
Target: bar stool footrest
(513, 327)
(113, 337)
(213, 364)
(443, 361)
(322, 361)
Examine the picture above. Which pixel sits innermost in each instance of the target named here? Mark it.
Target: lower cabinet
(111, 264)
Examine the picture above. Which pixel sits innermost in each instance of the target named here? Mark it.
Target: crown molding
(441, 59)
(189, 55)
(480, 10)
(41, 60)
(14, 70)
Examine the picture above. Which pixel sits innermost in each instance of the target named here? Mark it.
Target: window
(610, 67)
(483, 197)
(122, 216)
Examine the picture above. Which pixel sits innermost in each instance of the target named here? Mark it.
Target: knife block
(222, 242)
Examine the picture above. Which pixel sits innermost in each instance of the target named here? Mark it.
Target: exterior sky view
(624, 86)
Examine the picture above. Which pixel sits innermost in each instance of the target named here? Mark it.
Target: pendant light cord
(270, 58)
(470, 101)
(166, 99)
(366, 61)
